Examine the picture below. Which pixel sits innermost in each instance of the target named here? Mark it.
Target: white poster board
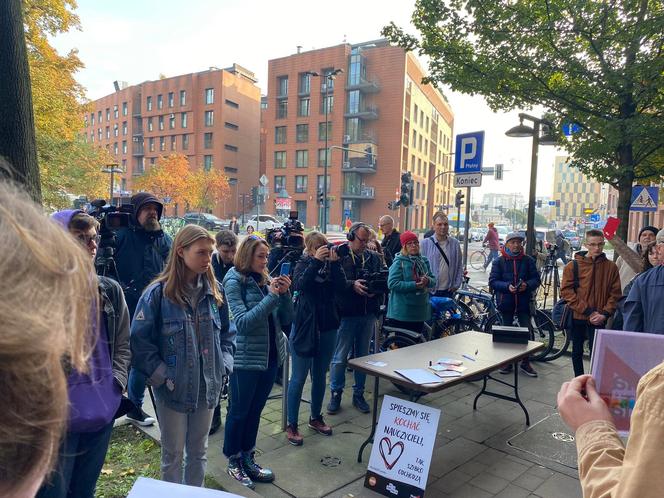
(402, 448)
(144, 487)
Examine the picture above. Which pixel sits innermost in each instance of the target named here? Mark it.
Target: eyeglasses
(598, 244)
(86, 239)
(364, 241)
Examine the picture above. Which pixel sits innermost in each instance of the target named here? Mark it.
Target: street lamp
(547, 138)
(329, 78)
(112, 169)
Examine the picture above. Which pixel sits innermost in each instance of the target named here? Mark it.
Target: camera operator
(391, 244)
(142, 251)
(358, 309)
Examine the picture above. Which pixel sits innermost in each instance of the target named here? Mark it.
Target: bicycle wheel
(543, 330)
(398, 341)
(478, 260)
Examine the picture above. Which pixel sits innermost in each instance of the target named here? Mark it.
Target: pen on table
(467, 356)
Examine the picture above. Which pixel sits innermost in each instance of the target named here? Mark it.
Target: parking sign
(468, 154)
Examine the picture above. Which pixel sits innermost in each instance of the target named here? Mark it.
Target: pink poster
(619, 360)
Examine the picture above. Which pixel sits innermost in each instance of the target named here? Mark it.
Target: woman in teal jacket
(409, 282)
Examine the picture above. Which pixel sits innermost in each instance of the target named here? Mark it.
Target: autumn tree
(598, 64)
(207, 189)
(169, 178)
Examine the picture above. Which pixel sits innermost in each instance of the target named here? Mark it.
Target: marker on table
(468, 357)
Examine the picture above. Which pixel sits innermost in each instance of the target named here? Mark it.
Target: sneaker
(216, 420)
(528, 370)
(293, 436)
(138, 416)
(335, 402)
(360, 403)
(236, 471)
(255, 471)
(319, 425)
(507, 369)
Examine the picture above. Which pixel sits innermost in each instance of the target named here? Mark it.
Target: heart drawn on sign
(389, 452)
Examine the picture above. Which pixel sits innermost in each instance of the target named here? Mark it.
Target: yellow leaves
(106, 472)
(207, 188)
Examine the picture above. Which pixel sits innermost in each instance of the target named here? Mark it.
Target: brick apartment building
(212, 117)
(377, 105)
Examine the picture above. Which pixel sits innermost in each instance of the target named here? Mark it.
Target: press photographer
(111, 219)
(286, 244)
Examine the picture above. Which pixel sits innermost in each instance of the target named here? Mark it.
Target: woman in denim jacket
(181, 339)
(259, 306)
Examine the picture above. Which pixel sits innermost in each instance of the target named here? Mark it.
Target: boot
(255, 471)
(335, 402)
(236, 471)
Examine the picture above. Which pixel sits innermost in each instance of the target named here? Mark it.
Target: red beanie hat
(406, 237)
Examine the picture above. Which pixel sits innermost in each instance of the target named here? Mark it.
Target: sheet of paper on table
(145, 487)
(419, 375)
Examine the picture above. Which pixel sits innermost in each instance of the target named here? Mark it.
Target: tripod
(550, 277)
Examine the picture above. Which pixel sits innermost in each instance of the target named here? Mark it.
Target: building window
(207, 163)
(183, 97)
(209, 96)
(171, 99)
(353, 128)
(282, 109)
(325, 82)
(92, 119)
(124, 146)
(185, 142)
(324, 132)
(124, 168)
(209, 118)
(116, 112)
(99, 118)
(279, 183)
(302, 133)
(231, 126)
(150, 126)
(280, 159)
(414, 140)
(160, 101)
(415, 111)
(354, 102)
(327, 103)
(207, 141)
(125, 109)
(301, 158)
(282, 86)
(230, 169)
(232, 148)
(303, 107)
(99, 134)
(162, 143)
(232, 104)
(183, 120)
(301, 183)
(124, 128)
(108, 132)
(322, 157)
(320, 182)
(171, 122)
(305, 84)
(173, 142)
(116, 131)
(280, 135)
(115, 148)
(92, 137)
(161, 122)
(151, 144)
(108, 114)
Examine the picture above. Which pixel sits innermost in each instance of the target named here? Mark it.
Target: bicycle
(479, 258)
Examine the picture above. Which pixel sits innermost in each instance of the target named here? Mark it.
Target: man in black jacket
(142, 251)
(391, 243)
(358, 310)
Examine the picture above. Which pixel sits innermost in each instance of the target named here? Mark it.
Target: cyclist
(514, 279)
(492, 240)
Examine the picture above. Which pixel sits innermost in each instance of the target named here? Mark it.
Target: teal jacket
(408, 303)
(249, 310)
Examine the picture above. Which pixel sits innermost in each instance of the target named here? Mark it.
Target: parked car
(476, 235)
(206, 220)
(574, 239)
(263, 222)
(502, 233)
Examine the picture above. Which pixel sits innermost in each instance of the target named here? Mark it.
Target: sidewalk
(481, 454)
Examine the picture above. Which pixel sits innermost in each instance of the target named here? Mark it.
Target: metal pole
(243, 198)
(530, 227)
(458, 220)
(466, 224)
(327, 157)
(110, 198)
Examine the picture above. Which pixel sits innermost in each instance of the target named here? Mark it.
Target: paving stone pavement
(471, 457)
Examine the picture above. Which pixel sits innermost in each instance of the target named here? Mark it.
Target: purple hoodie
(93, 397)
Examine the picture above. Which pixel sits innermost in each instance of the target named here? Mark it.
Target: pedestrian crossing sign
(644, 198)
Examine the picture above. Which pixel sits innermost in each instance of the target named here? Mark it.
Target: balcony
(137, 149)
(364, 112)
(358, 165)
(359, 192)
(364, 138)
(364, 85)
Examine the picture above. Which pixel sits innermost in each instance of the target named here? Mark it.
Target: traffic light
(458, 201)
(254, 195)
(498, 172)
(393, 205)
(406, 186)
(320, 197)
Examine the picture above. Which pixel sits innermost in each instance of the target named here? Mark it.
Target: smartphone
(611, 227)
(285, 269)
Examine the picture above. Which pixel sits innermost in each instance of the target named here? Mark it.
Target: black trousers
(523, 317)
(581, 330)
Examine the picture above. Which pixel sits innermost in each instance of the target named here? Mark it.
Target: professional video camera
(376, 281)
(111, 219)
(290, 234)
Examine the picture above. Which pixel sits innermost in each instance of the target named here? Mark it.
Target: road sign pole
(466, 224)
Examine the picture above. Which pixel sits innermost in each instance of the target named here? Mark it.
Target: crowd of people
(188, 317)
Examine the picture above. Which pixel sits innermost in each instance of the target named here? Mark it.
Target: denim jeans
(318, 367)
(80, 460)
(249, 390)
(493, 255)
(353, 331)
(184, 438)
(136, 387)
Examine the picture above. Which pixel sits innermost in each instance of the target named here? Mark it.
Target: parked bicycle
(479, 258)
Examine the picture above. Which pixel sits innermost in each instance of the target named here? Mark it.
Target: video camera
(376, 281)
(111, 219)
(290, 237)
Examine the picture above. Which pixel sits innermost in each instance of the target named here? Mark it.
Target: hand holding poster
(402, 447)
(619, 360)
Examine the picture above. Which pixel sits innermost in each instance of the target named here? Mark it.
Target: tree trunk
(17, 127)
(624, 198)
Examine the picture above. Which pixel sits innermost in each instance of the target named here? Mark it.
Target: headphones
(350, 236)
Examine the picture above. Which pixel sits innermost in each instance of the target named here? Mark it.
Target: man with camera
(142, 251)
(358, 306)
(391, 243)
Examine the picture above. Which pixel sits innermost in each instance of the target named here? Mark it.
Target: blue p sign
(469, 151)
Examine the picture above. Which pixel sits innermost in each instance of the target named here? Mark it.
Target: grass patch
(130, 455)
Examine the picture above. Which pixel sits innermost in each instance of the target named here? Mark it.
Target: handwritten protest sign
(619, 360)
(402, 447)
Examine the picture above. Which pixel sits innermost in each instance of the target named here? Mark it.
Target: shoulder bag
(562, 315)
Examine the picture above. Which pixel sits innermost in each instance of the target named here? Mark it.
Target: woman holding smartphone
(318, 275)
(258, 306)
